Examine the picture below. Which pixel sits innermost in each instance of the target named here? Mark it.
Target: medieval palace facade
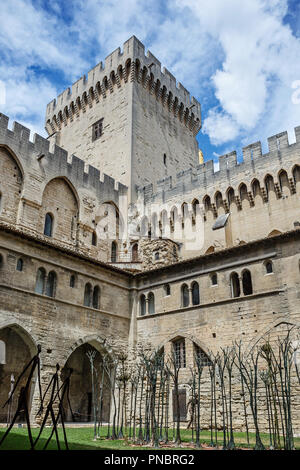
(115, 235)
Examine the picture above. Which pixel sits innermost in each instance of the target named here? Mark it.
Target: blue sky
(241, 60)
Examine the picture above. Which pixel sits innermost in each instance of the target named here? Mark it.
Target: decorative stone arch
(101, 343)
(69, 183)
(11, 184)
(20, 347)
(119, 220)
(14, 157)
(178, 334)
(27, 337)
(264, 331)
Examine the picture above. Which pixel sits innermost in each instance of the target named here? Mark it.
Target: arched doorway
(81, 395)
(17, 349)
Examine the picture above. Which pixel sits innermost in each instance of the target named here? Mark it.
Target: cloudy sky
(240, 59)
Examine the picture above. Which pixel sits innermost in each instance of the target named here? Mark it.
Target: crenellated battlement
(120, 67)
(205, 179)
(55, 161)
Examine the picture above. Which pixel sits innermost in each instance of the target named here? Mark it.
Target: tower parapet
(120, 67)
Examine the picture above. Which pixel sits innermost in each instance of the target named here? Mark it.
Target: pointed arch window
(48, 227)
(151, 303)
(96, 297)
(20, 265)
(40, 281)
(167, 289)
(185, 300)
(72, 280)
(179, 352)
(235, 285)
(269, 267)
(51, 284)
(201, 357)
(142, 305)
(247, 283)
(87, 295)
(195, 293)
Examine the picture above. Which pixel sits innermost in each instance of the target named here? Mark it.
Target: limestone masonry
(113, 237)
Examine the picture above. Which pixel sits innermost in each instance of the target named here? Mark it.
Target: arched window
(296, 175)
(214, 279)
(72, 280)
(243, 192)
(143, 305)
(256, 188)
(269, 184)
(151, 303)
(195, 206)
(20, 264)
(113, 252)
(48, 227)
(235, 285)
(207, 203)
(94, 239)
(195, 293)
(135, 253)
(40, 281)
(156, 255)
(247, 283)
(218, 200)
(87, 295)
(185, 300)
(200, 356)
(269, 267)
(167, 289)
(179, 352)
(51, 284)
(96, 297)
(230, 196)
(284, 182)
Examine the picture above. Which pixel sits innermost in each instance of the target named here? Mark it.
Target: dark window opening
(167, 289)
(87, 295)
(214, 279)
(247, 283)
(48, 227)
(201, 357)
(96, 295)
(235, 285)
(20, 264)
(179, 352)
(51, 284)
(94, 239)
(72, 280)
(97, 129)
(151, 303)
(269, 267)
(143, 305)
(195, 294)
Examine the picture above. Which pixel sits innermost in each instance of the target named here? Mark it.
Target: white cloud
(253, 83)
(236, 55)
(220, 127)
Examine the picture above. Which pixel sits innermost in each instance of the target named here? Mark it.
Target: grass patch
(82, 439)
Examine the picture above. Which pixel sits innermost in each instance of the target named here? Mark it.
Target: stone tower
(129, 119)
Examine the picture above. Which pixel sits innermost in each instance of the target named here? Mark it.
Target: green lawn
(82, 439)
